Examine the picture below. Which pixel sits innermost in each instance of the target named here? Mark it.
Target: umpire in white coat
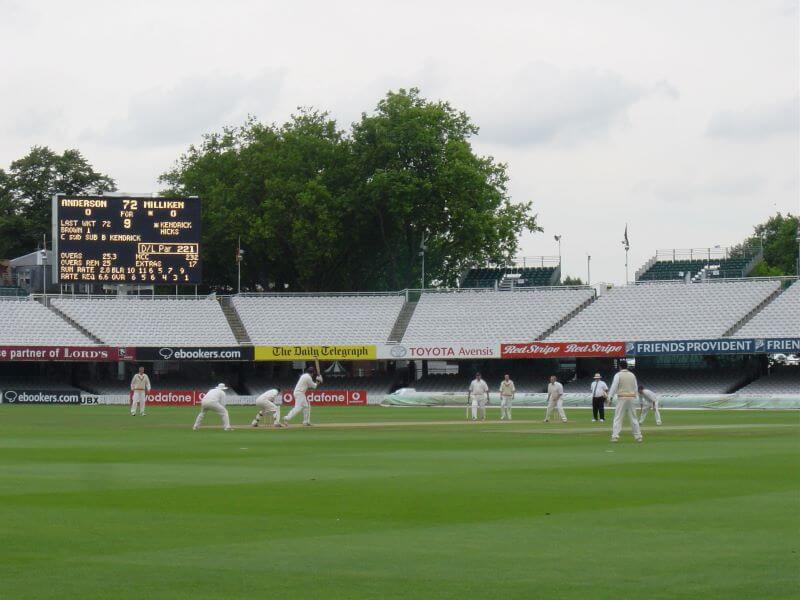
(625, 388)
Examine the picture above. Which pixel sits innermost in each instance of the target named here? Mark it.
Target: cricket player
(308, 381)
(214, 400)
(507, 391)
(599, 395)
(648, 401)
(266, 403)
(479, 395)
(625, 388)
(140, 385)
(555, 392)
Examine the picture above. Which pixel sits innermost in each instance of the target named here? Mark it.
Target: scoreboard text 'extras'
(127, 239)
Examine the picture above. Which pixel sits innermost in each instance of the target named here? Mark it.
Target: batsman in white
(140, 385)
(625, 388)
(507, 391)
(649, 401)
(307, 381)
(479, 395)
(266, 403)
(214, 400)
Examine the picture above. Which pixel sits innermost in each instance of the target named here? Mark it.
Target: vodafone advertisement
(562, 349)
(173, 397)
(330, 397)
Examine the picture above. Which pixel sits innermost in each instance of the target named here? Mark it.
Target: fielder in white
(555, 391)
(479, 395)
(266, 404)
(140, 385)
(507, 391)
(624, 387)
(648, 401)
(307, 381)
(214, 400)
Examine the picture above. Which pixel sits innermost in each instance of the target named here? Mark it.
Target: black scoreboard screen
(127, 239)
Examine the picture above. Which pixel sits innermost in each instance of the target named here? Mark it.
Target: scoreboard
(126, 239)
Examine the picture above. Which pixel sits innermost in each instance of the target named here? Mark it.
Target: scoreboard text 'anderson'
(127, 239)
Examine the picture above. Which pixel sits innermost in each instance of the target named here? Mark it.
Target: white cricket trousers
(140, 399)
(217, 407)
(300, 403)
(479, 403)
(648, 406)
(505, 407)
(264, 407)
(557, 405)
(625, 407)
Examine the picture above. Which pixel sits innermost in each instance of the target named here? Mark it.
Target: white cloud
(757, 122)
(544, 103)
(183, 112)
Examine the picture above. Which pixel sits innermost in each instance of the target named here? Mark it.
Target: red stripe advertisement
(65, 353)
(330, 397)
(562, 349)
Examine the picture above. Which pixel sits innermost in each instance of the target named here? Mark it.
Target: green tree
(12, 224)
(36, 177)
(572, 281)
(319, 208)
(418, 178)
(779, 237)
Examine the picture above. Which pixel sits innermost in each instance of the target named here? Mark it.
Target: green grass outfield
(403, 502)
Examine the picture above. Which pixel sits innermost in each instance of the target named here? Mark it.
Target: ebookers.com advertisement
(45, 397)
(236, 353)
(330, 397)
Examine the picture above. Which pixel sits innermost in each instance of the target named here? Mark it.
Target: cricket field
(401, 502)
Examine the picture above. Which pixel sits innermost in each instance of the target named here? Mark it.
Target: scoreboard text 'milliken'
(127, 239)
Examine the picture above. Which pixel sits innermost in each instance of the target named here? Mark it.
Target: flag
(625, 241)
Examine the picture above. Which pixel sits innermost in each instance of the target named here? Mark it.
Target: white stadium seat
(27, 322)
(317, 320)
(479, 316)
(135, 321)
(663, 311)
(780, 318)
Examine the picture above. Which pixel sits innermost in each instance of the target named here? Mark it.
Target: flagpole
(239, 265)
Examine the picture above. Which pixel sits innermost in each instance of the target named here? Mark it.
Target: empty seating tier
(489, 277)
(489, 316)
(782, 380)
(780, 318)
(666, 270)
(134, 321)
(27, 322)
(317, 320)
(663, 311)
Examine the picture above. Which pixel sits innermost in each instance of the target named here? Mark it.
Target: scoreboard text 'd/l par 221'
(127, 239)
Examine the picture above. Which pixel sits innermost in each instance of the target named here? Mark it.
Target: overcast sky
(677, 117)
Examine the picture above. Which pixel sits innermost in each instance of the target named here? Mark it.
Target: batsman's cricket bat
(316, 366)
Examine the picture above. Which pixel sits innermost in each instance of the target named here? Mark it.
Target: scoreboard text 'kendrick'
(127, 239)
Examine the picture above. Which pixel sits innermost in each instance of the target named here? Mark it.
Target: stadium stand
(141, 321)
(296, 319)
(27, 322)
(11, 290)
(491, 317)
(781, 380)
(666, 310)
(779, 318)
(709, 263)
(377, 385)
(504, 278)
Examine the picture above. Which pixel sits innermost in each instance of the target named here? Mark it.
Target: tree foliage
(320, 208)
(27, 189)
(568, 280)
(779, 237)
